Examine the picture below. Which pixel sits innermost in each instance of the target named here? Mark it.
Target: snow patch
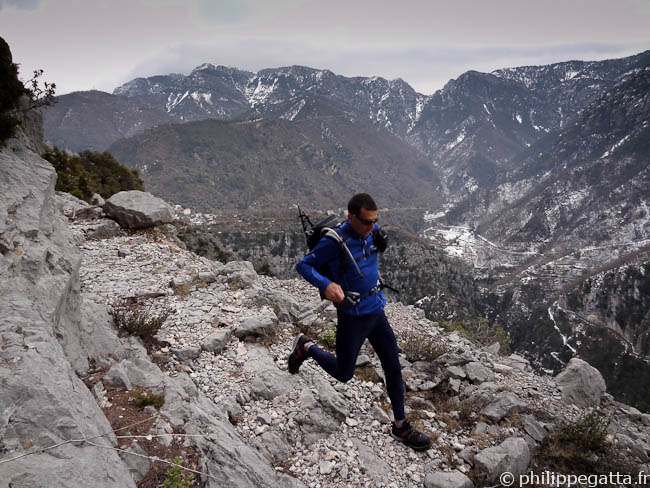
(202, 97)
(293, 111)
(565, 340)
(615, 147)
(174, 100)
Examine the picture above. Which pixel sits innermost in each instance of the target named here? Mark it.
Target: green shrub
(581, 447)
(175, 477)
(148, 399)
(328, 336)
(11, 89)
(137, 320)
(480, 331)
(587, 434)
(91, 172)
(421, 347)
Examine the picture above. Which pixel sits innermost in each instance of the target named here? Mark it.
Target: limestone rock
(138, 465)
(239, 274)
(255, 327)
(331, 399)
(135, 209)
(134, 372)
(511, 456)
(216, 341)
(186, 353)
(447, 479)
(284, 305)
(477, 373)
(533, 428)
(581, 383)
(68, 204)
(42, 400)
(505, 403)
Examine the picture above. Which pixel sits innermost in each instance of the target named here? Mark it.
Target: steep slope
(588, 183)
(475, 124)
(570, 86)
(93, 120)
(574, 206)
(314, 162)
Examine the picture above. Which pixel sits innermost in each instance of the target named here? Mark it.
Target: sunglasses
(366, 221)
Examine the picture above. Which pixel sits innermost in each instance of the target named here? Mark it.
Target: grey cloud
(21, 4)
(223, 11)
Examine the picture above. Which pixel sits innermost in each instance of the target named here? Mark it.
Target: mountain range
(537, 176)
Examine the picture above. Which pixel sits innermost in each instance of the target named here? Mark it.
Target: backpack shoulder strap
(334, 234)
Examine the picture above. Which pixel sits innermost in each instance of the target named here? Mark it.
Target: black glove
(381, 239)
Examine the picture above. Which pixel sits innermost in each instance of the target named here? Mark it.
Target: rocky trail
(231, 330)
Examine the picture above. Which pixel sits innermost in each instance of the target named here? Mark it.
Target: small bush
(328, 336)
(480, 332)
(271, 336)
(182, 291)
(588, 433)
(137, 320)
(175, 477)
(367, 373)
(146, 399)
(421, 347)
(581, 447)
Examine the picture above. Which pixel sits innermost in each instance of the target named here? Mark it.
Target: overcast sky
(100, 44)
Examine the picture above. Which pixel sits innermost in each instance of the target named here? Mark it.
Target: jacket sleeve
(326, 251)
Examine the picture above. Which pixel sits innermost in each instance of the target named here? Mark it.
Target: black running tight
(351, 331)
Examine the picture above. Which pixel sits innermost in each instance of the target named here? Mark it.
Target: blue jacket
(328, 251)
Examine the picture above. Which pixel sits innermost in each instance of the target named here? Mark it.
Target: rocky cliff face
(44, 341)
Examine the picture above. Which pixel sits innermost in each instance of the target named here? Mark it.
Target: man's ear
(349, 216)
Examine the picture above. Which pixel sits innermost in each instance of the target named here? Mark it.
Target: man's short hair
(359, 201)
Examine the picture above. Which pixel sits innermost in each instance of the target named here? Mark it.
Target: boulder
(186, 353)
(370, 463)
(447, 479)
(97, 199)
(285, 306)
(255, 327)
(581, 384)
(517, 362)
(103, 229)
(533, 428)
(331, 399)
(505, 403)
(138, 462)
(132, 372)
(68, 204)
(216, 341)
(135, 209)
(477, 373)
(511, 456)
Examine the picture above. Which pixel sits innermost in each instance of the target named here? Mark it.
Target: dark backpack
(326, 228)
(315, 232)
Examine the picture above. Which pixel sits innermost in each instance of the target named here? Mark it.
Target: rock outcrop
(581, 383)
(43, 342)
(135, 209)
